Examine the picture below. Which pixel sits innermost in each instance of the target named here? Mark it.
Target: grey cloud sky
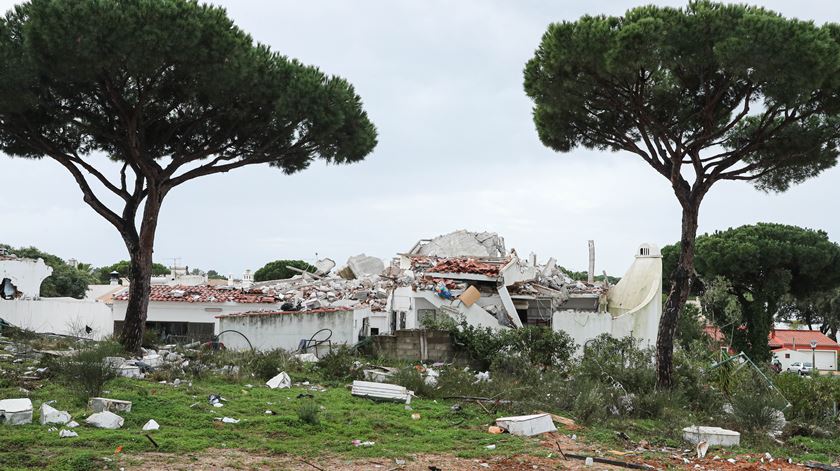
(442, 80)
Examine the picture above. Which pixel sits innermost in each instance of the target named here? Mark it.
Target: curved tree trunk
(141, 251)
(677, 296)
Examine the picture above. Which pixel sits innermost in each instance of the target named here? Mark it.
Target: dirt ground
(219, 460)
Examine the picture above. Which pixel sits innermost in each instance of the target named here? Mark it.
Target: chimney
(591, 277)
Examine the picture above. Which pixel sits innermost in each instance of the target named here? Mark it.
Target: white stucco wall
(26, 274)
(66, 316)
(268, 332)
(634, 306)
(174, 311)
(825, 359)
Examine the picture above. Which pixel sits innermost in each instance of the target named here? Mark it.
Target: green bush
(341, 364)
(266, 365)
(85, 372)
(542, 346)
(811, 399)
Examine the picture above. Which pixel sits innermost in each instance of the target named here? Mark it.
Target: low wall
(414, 345)
(269, 331)
(59, 316)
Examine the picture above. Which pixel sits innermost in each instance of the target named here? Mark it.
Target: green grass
(192, 429)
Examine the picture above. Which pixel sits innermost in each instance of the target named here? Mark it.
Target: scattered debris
(361, 443)
(490, 447)
(714, 436)
(215, 400)
(106, 419)
(495, 430)
(227, 420)
(527, 425)
(72, 424)
(381, 391)
(50, 415)
(379, 374)
(16, 411)
(415, 416)
(280, 381)
(306, 357)
(151, 425)
(702, 448)
(101, 404)
(64, 433)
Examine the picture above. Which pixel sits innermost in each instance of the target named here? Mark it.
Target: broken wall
(414, 345)
(25, 274)
(64, 316)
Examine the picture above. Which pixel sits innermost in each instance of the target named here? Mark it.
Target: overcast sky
(442, 81)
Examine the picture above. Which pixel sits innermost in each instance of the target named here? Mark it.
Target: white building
(21, 278)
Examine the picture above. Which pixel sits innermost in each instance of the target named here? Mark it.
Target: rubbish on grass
(415, 416)
(381, 391)
(64, 433)
(50, 415)
(361, 443)
(482, 376)
(227, 420)
(215, 400)
(490, 447)
(589, 461)
(102, 404)
(72, 424)
(16, 411)
(495, 430)
(527, 425)
(151, 425)
(107, 420)
(595, 459)
(280, 381)
(379, 374)
(306, 357)
(714, 436)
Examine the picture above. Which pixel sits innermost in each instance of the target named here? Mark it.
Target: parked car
(803, 368)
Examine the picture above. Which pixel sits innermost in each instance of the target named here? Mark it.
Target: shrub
(811, 399)
(308, 413)
(340, 365)
(266, 365)
(85, 372)
(542, 346)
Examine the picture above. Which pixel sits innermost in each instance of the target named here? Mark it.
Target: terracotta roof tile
(203, 294)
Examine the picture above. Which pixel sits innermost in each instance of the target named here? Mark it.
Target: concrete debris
(101, 404)
(382, 391)
(227, 420)
(379, 374)
(50, 415)
(363, 265)
(64, 433)
(72, 424)
(462, 244)
(324, 266)
(714, 436)
(281, 381)
(527, 425)
(151, 425)
(361, 443)
(107, 420)
(16, 411)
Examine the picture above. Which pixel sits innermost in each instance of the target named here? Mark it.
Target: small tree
(123, 267)
(278, 270)
(170, 90)
(702, 94)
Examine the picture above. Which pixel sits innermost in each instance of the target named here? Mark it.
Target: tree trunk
(141, 251)
(677, 296)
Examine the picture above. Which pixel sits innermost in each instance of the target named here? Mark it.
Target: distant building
(791, 346)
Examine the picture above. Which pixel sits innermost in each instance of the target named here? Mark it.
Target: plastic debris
(490, 447)
(495, 430)
(151, 425)
(361, 443)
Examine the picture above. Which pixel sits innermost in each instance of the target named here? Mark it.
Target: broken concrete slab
(324, 266)
(379, 374)
(130, 371)
(100, 404)
(16, 411)
(64, 433)
(527, 425)
(363, 265)
(107, 420)
(714, 436)
(390, 392)
(280, 381)
(306, 357)
(51, 415)
(462, 243)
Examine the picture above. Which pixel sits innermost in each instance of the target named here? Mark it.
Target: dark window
(374, 331)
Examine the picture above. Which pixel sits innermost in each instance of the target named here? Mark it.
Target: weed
(308, 413)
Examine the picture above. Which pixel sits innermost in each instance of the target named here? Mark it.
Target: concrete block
(107, 420)
(50, 415)
(527, 425)
(102, 404)
(714, 436)
(16, 411)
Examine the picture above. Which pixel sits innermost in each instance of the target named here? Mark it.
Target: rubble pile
(466, 265)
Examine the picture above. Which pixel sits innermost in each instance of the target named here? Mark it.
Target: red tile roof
(787, 338)
(714, 332)
(204, 294)
(465, 265)
(283, 313)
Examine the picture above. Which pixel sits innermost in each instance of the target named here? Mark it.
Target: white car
(803, 368)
